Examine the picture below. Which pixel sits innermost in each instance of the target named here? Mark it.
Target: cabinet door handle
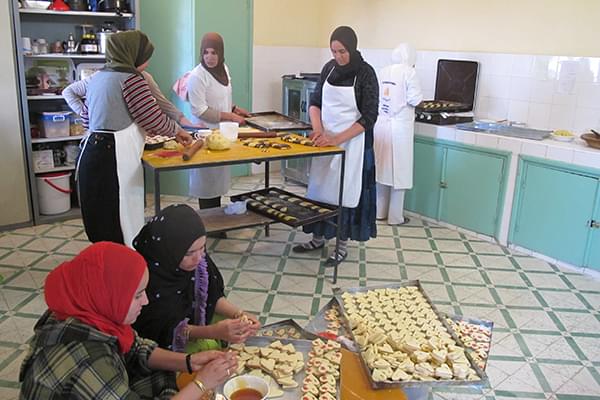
(303, 106)
(594, 224)
(443, 185)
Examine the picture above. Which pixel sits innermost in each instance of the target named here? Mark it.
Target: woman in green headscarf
(119, 111)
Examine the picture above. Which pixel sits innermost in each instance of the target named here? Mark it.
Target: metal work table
(215, 219)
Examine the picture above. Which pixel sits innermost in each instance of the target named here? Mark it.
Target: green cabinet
(459, 184)
(556, 211)
(424, 197)
(472, 190)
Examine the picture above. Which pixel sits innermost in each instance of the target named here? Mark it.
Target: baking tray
(319, 324)
(441, 317)
(286, 324)
(304, 215)
(274, 121)
(481, 324)
(442, 106)
(303, 346)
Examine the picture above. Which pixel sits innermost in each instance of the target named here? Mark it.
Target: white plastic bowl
(229, 130)
(243, 382)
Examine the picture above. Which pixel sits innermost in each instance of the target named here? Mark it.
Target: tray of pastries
(294, 369)
(328, 321)
(476, 336)
(159, 141)
(403, 340)
(286, 207)
(285, 329)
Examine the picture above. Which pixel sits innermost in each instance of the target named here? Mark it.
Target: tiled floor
(546, 341)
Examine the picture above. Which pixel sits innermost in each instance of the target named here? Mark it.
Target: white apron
(338, 112)
(129, 146)
(394, 131)
(207, 183)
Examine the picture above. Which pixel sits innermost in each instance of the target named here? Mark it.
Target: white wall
(545, 92)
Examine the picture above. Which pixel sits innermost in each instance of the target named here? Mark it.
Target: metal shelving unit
(54, 25)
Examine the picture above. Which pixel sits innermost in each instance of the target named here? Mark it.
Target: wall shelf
(56, 139)
(74, 212)
(63, 55)
(99, 14)
(46, 97)
(57, 169)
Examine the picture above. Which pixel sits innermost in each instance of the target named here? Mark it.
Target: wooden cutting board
(354, 383)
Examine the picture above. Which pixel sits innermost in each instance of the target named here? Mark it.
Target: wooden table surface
(238, 153)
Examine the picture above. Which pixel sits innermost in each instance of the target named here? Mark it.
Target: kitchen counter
(576, 153)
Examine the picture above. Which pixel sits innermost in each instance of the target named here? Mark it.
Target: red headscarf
(97, 288)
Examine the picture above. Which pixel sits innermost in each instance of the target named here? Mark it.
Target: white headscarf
(405, 54)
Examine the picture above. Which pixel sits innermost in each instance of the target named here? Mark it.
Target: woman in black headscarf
(185, 290)
(343, 110)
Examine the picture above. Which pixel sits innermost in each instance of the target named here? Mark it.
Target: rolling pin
(189, 152)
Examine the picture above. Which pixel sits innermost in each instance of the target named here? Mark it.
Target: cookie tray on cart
(441, 317)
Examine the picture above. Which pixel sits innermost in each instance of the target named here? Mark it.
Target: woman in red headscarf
(84, 346)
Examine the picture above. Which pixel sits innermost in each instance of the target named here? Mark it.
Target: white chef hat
(404, 53)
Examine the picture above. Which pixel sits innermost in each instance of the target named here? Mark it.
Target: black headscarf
(163, 242)
(125, 51)
(347, 37)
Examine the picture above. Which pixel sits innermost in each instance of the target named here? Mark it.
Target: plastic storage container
(54, 192)
(54, 124)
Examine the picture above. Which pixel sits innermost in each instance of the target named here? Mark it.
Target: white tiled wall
(523, 88)
(530, 89)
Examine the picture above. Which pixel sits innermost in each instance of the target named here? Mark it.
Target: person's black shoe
(336, 258)
(307, 247)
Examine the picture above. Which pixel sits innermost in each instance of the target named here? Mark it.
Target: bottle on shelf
(71, 45)
(89, 44)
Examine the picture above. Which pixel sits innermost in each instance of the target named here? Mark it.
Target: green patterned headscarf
(127, 50)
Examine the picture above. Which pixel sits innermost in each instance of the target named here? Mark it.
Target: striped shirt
(115, 100)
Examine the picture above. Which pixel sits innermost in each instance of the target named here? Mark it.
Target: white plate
(563, 138)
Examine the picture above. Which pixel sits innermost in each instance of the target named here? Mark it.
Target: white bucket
(54, 192)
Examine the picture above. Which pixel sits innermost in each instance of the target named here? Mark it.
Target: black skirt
(98, 187)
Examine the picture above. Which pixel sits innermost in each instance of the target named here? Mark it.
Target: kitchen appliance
(296, 91)
(78, 5)
(116, 6)
(106, 31)
(454, 97)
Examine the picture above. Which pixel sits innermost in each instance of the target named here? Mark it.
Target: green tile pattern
(546, 342)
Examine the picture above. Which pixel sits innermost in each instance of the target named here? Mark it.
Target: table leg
(339, 217)
(156, 192)
(267, 173)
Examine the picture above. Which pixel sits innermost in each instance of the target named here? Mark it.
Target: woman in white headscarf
(399, 93)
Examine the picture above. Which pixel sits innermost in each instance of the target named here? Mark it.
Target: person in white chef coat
(399, 93)
(343, 111)
(210, 95)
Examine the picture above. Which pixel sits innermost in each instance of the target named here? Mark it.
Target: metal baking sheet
(480, 323)
(285, 324)
(304, 215)
(441, 317)
(319, 324)
(303, 346)
(274, 121)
